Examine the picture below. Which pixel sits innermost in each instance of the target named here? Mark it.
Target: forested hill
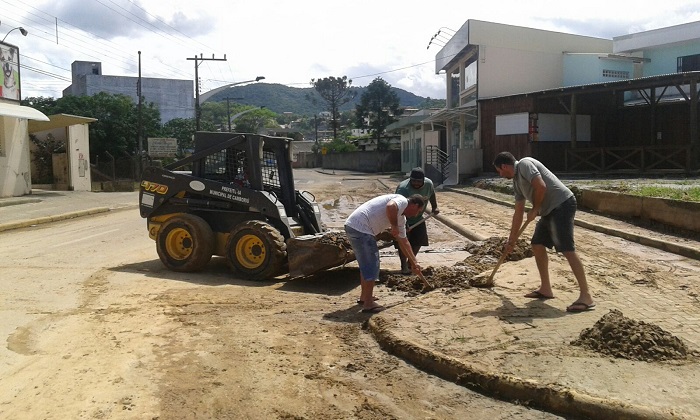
(280, 98)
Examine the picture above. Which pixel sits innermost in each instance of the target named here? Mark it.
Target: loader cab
(252, 161)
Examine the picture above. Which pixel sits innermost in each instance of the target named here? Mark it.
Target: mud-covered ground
(114, 335)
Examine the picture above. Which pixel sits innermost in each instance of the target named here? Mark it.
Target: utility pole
(140, 120)
(197, 108)
(228, 113)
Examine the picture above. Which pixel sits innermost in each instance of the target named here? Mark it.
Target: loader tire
(185, 243)
(256, 250)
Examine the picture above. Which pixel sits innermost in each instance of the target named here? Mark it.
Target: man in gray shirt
(556, 206)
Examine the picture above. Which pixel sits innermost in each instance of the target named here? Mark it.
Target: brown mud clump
(451, 279)
(484, 256)
(339, 239)
(621, 337)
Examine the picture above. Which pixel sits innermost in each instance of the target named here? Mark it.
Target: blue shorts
(366, 252)
(557, 228)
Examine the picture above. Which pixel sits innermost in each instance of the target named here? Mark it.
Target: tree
(378, 107)
(115, 130)
(215, 114)
(181, 129)
(254, 119)
(336, 92)
(40, 103)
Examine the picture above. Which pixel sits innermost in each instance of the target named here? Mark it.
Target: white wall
(78, 151)
(15, 174)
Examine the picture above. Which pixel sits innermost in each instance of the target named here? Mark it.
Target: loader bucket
(310, 254)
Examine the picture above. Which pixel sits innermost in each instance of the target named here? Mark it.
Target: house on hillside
(173, 97)
(579, 104)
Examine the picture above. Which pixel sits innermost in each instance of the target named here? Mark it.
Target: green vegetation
(280, 98)
(378, 108)
(675, 193)
(276, 107)
(334, 92)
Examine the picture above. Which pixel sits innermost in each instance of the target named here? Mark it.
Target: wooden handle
(505, 254)
(420, 221)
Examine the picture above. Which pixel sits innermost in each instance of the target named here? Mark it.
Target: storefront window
(470, 75)
(454, 89)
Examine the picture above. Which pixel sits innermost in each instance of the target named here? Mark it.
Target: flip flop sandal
(535, 294)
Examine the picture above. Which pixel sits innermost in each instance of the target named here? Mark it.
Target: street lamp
(204, 96)
(21, 29)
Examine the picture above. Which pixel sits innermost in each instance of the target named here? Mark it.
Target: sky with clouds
(288, 42)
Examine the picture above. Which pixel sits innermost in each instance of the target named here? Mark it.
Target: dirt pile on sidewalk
(618, 336)
(484, 256)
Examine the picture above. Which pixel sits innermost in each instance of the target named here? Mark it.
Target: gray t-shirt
(371, 217)
(528, 168)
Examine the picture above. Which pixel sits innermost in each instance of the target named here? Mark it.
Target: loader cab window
(270, 171)
(227, 165)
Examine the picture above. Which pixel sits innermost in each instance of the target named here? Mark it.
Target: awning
(406, 121)
(450, 114)
(19, 111)
(58, 121)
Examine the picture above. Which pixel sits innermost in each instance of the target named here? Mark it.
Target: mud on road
(144, 342)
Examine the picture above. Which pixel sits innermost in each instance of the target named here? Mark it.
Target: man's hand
(416, 269)
(395, 231)
(508, 247)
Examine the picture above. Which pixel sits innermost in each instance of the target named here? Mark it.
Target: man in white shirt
(367, 221)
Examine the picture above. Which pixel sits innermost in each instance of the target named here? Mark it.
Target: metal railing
(438, 159)
(630, 159)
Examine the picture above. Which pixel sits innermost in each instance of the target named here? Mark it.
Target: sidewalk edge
(552, 398)
(48, 219)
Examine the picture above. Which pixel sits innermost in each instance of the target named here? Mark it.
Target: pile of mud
(621, 337)
(339, 239)
(484, 256)
(451, 279)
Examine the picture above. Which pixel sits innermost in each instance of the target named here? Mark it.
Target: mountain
(280, 98)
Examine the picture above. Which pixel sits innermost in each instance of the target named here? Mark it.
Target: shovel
(387, 236)
(419, 222)
(426, 284)
(479, 280)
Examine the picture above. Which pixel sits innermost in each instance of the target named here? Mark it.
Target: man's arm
(515, 225)
(406, 249)
(433, 204)
(392, 212)
(539, 189)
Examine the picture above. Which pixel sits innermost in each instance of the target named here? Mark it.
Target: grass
(681, 189)
(684, 194)
(674, 193)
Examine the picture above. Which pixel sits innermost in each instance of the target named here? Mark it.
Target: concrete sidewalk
(43, 206)
(484, 338)
(498, 342)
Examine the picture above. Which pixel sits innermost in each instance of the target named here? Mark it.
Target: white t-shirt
(371, 217)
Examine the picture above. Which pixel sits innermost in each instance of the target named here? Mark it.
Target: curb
(47, 219)
(552, 398)
(671, 247)
(14, 202)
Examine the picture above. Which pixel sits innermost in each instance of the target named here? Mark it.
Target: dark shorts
(366, 252)
(418, 236)
(557, 228)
